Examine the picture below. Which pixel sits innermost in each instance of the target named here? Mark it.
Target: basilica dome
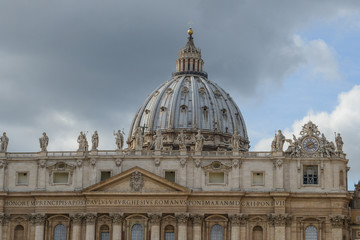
(187, 103)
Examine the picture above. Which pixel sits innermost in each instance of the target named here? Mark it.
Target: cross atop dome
(189, 61)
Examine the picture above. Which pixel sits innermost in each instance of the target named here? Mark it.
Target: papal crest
(136, 181)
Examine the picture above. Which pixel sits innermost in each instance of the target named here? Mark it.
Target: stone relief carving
(278, 163)
(136, 181)
(44, 142)
(95, 141)
(119, 139)
(3, 164)
(118, 162)
(236, 163)
(90, 218)
(182, 162)
(93, 162)
(197, 162)
(4, 142)
(83, 143)
(157, 162)
(4, 219)
(79, 163)
(182, 218)
(42, 163)
(337, 221)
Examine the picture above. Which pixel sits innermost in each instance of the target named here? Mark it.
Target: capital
(182, 218)
(279, 219)
(117, 218)
(337, 221)
(77, 218)
(38, 218)
(90, 218)
(155, 218)
(197, 219)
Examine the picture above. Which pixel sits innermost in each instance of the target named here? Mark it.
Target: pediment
(136, 180)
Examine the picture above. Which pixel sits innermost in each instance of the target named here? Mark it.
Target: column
(3, 164)
(337, 224)
(279, 174)
(182, 225)
(79, 175)
(155, 220)
(182, 171)
(117, 219)
(243, 218)
(235, 226)
(76, 226)
(90, 226)
(4, 226)
(38, 219)
(197, 220)
(41, 175)
(197, 174)
(279, 221)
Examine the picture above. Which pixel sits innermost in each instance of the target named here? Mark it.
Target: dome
(187, 103)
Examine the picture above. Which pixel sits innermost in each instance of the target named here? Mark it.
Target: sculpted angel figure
(44, 142)
(199, 141)
(119, 139)
(95, 141)
(294, 148)
(4, 142)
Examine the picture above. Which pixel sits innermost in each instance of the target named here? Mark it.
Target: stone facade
(195, 183)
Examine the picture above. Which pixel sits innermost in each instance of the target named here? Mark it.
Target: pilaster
(90, 219)
(38, 220)
(76, 221)
(182, 220)
(155, 220)
(117, 219)
(197, 220)
(337, 225)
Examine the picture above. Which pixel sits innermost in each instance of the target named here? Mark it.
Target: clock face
(310, 144)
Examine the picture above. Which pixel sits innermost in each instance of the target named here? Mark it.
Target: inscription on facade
(141, 202)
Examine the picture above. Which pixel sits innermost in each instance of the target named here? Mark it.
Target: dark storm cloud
(94, 62)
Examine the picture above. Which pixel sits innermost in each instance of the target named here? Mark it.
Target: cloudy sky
(69, 66)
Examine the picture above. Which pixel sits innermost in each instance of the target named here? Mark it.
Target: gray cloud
(96, 62)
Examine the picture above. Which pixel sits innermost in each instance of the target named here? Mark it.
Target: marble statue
(199, 141)
(326, 147)
(119, 139)
(181, 138)
(4, 142)
(279, 141)
(236, 141)
(95, 141)
(44, 142)
(294, 147)
(158, 140)
(83, 143)
(339, 143)
(139, 139)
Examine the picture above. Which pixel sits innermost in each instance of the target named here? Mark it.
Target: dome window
(224, 112)
(169, 91)
(217, 93)
(185, 90)
(162, 109)
(183, 108)
(147, 111)
(202, 90)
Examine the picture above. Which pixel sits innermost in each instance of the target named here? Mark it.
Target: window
(170, 175)
(311, 233)
(136, 232)
(216, 232)
(310, 175)
(105, 175)
(258, 178)
(61, 177)
(257, 233)
(104, 232)
(341, 176)
(169, 233)
(358, 218)
(22, 178)
(216, 177)
(60, 232)
(19, 232)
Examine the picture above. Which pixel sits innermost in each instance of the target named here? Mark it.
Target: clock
(310, 144)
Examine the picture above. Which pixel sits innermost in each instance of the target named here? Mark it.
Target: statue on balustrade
(4, 142)
(83, 143)
(339, 143)
(199, 141)
(95, 141)
(119, 139)
(44, 142)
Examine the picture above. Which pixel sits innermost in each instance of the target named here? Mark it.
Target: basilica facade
(187, 173)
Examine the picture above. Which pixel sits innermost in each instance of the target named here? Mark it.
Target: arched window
(60, 232)
(257, 233)
(19, 232)
(136, 232)
(104, 232)
(311, 233)
(169, 233)
(216, 232)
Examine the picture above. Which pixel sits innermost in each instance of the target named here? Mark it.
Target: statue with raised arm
(339, 143)
(199, 141)
(236, 141)
(95, 141)
(158, 140)
(181, 138)
(119, 139)
(4, 142)
(44, 141)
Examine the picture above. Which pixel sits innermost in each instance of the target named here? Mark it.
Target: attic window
(22, 178)
(60, 177)
(216, 177)
(105, 175)
(216, 165)
(170, 176)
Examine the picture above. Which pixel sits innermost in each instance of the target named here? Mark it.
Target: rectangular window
(105, 175)
(358, 218)
(170, 176)
(22, 178)
(216, 177)
(61, 177)
(310, 175)
(258, 178)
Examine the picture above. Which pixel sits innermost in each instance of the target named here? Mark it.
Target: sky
(70, 66)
